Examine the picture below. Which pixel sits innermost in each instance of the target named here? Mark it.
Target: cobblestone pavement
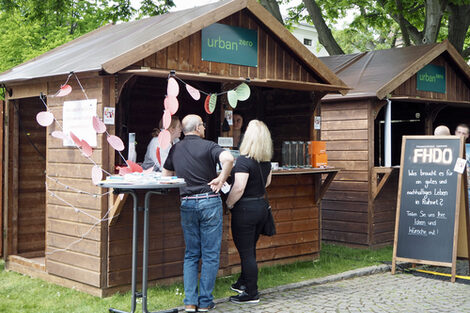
(381, 292)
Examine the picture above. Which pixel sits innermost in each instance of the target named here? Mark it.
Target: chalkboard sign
(428, 199)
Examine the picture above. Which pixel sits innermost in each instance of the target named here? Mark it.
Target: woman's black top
(254, 186)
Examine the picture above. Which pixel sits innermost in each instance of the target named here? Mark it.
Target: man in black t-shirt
(195, 160)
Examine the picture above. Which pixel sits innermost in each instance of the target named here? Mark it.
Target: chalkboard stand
(410, 249)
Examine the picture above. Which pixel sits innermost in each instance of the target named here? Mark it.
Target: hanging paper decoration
(63, 91)
(116, 142)
(96, 174)
(58, 134)
(173, 89)
(75, 139)
(243, 92)
(158, 156)
(124, 170)
(206, 104)
(166, 119)
(45, 118)
(212, 102)
(232, 98)
(135, 168)
(86, 149)
(164, 139)
(193, 92)
(171, 104)
(98, 125)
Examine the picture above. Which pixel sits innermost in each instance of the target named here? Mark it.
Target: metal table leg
(135, 226)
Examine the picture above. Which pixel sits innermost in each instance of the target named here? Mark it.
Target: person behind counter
(442, 130)
(462, 130)
(252, 174)
(237, 129)
(195, 160)
(150, 159)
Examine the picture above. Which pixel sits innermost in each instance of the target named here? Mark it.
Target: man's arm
(226, 159)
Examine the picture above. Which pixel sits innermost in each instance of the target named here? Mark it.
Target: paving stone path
(382, 292)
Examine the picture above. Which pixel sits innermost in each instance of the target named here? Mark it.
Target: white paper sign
(225, 141)
(108, 115)
(460, 165)
(78, 118)
(229, 117)
(317, 122)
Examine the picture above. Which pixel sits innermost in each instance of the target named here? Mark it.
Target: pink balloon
(63, 91)
(193, 92)
(173, 89)
(75, 139)
(98, 125)
(116, 143)
(86, 149)
(164, 139)
(58, 134)
(166, 119)
(45, 118)
(171, 104)
(96, 174)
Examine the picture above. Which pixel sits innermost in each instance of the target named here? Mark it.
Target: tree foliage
(29, 28)
(379, 24)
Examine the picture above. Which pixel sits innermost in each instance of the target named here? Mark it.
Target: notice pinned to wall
(78, 118)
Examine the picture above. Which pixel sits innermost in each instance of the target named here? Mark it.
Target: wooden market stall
(125, 68)
(425, 86)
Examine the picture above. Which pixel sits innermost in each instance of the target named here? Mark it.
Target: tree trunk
(432, 22)
(401, 22)
(459, 21)
(324, 33)
(273, 7)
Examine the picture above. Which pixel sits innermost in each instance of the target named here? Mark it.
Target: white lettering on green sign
(431, 78)
(229, 44)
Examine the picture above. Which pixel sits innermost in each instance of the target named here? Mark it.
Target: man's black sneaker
(238, 287)
(245, 298)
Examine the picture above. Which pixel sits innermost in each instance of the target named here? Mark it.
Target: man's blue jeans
(201, 220)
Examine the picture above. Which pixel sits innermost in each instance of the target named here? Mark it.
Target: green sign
(431, 78)
(229, 44)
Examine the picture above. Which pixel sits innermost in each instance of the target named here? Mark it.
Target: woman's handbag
(269, 227)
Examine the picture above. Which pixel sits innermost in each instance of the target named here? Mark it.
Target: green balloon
(243, 91)
(232, 98)
(212, 102)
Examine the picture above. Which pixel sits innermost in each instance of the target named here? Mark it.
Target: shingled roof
(377, 73)
(112, 48)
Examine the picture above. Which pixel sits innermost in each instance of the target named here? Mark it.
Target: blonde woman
(252, 174)
(150, 159)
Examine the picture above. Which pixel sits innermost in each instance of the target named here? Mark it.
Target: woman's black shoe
(245, 298)
(238, 287)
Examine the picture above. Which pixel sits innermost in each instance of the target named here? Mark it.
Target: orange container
(319, 159)
(318, 147)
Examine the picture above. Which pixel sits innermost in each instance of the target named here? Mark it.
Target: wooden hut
(425, 86)
(125, 67)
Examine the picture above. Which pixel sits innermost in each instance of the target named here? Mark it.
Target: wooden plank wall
(292, 198)
(274, 60)
(31, 190)
(345, 214)
(67, 228)
(166, 242)
(383, 209)
(456, 88)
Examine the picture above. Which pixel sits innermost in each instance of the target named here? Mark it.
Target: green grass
(19, 293)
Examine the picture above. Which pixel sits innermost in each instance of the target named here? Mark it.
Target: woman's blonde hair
(257, 143)
(174, 121)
